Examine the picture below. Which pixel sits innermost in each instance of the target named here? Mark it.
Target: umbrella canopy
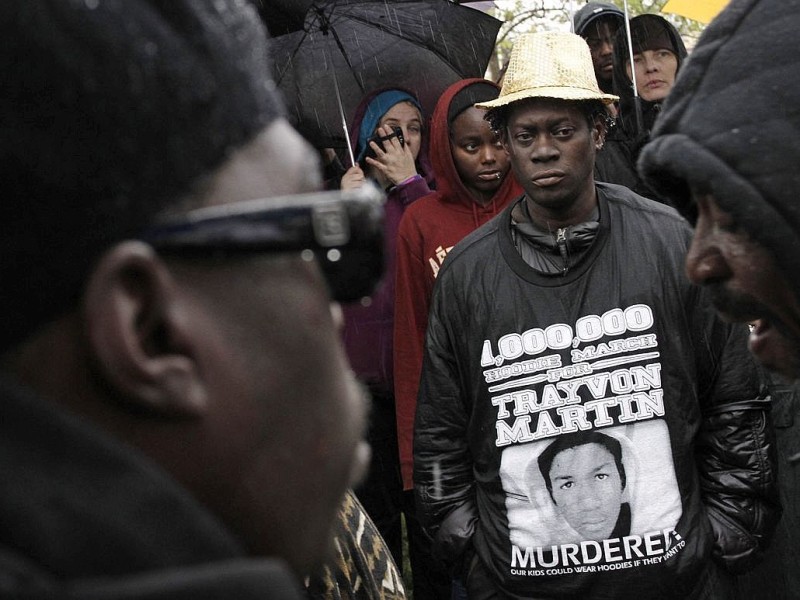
(282, 16)
(699, 10)
(351, 47)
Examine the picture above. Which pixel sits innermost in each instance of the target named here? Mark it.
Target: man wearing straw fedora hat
(568, 312)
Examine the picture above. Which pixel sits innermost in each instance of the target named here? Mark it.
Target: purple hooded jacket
(368, 331)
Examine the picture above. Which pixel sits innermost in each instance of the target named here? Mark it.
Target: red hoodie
(428, 230)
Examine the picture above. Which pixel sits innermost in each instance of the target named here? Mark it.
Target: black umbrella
(350, 47)
(283, 16)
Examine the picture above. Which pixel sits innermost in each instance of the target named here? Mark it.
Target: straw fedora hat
(551, 64)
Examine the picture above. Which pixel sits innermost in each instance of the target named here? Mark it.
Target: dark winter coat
(85, 517)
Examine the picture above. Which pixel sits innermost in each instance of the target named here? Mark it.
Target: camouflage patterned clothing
(362, 568)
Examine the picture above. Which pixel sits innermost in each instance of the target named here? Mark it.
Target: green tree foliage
(523, 16)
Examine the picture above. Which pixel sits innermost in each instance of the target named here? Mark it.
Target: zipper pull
(561, 241)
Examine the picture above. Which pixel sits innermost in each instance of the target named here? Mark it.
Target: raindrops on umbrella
(422, 46)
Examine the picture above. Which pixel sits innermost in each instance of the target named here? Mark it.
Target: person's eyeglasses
(342, 229)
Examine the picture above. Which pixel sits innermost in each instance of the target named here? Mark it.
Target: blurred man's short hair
(103, 129)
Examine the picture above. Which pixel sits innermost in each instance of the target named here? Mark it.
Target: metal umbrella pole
(636, 100)
(344, 118)
(328, 30)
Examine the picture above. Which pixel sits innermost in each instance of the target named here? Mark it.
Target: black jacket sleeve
(735, 448)
(443, 476)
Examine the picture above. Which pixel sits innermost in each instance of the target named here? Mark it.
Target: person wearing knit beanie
(724, 151)
(178, 416)
(597, 23)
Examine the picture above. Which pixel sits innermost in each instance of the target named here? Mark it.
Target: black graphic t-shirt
(565, 409)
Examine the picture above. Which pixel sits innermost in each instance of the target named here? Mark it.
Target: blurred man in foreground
(726, 154)
(725, 150)
(178, 421)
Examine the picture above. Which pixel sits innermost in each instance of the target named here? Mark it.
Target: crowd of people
(575, 376)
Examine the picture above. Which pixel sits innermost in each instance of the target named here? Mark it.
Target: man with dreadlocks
(570, 311)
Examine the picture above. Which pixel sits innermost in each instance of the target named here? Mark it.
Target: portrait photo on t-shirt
(591, 485)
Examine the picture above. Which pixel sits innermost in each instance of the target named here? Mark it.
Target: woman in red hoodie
(473, 185)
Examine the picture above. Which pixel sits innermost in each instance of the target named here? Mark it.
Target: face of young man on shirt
(552, 150)
(746, 285)
(587, 489)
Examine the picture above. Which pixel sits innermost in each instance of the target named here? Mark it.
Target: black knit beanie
(731, 125)
(591, 12)
(110, 111)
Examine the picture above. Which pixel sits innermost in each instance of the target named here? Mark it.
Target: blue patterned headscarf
(378, 107)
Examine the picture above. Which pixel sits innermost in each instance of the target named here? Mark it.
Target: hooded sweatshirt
(428, 231)
(369, 326)
(648, 32)
(730, 126)
(616, 163)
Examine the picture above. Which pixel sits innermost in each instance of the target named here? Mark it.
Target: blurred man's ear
(140, 334)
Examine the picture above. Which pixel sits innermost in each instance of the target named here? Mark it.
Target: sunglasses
(343, 230)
